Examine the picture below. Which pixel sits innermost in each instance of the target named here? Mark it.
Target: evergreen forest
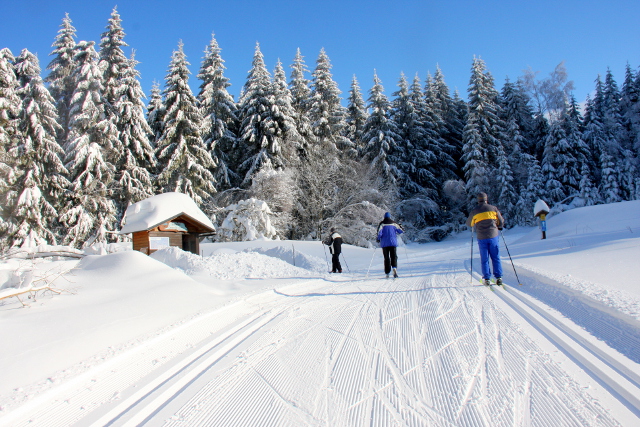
(80, 142)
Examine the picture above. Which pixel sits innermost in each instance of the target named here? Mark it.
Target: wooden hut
(165, 220)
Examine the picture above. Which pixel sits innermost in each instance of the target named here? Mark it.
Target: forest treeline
(82, 143)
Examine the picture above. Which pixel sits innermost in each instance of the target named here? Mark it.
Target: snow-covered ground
(258, 334)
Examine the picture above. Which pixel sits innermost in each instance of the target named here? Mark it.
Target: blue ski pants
(490, 248)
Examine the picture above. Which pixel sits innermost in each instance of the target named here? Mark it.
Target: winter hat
(482, 197)
(387, 215)
(333, 229)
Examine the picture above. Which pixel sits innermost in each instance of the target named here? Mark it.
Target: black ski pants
(390, 258)
(335, 263)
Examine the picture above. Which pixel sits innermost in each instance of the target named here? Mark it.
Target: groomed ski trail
(423, 350)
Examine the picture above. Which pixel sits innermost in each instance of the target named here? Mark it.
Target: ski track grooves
(417, 351)
(622, 382)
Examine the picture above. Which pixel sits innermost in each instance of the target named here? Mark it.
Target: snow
(258, 333)
(540, 207)
(155, 210)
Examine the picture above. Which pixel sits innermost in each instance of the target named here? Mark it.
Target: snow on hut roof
(155, 210)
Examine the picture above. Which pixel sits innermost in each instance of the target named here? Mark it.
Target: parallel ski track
(124, 381)
(622, 382)
(415, 352)
(427, 350)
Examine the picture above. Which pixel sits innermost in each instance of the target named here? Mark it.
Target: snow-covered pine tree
(414, 160)
(219, 111)
(424, 157)
(517, 157)
(284, 118)
(594, 134)
(114, 63)
(609, 186)
(61, 67)
(485, 110)
(381, 137)
(531, 192)
(433, 120)
(300, 101)
(262, 148)
(112, 60)
(458, 119)
(356, 115)
(588, 192)
(612, 119)
(9, 137)
(184, 163)
(627, 174)
(630, 111)
(554, 163)
(575, 148)
(134, 166)
(507, 197)
(539, 136)
(483, 105)
(89, 211)
(518, 114)
(450, 113)
(41, 183)
(413, 163)
(474, 161)
(325, 110)
(155, 114)
(636, 110)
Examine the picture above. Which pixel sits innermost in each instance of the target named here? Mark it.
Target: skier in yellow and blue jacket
(487, 221)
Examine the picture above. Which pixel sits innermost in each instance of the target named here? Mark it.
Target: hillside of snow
(259, 334)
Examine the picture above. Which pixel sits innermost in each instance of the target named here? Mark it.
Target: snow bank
(623, 216)
(225, 265)
(589, 251)
(128, 262)
(293, 257)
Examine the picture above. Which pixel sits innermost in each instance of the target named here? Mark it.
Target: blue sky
(359, 36)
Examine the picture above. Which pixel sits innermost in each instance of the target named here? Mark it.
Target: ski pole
(472, 256)
(407, 256)
(371, 262)
(345, 262)
(512, 265)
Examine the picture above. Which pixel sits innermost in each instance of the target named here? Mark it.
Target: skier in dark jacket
(335, 247)
(488, 222)
(388, 231)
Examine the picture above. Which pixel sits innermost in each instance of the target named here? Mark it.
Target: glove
(500, 228)
(377, 240)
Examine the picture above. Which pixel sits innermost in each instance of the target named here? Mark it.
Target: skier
(387, 237)
(335, 247)
(487, 221)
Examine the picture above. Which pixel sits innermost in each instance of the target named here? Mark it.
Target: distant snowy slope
(590, 251)
(623, 216)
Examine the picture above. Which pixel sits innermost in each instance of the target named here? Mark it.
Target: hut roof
(151, 212)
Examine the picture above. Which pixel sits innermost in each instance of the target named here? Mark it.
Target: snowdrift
(229, 265)
(614, 217)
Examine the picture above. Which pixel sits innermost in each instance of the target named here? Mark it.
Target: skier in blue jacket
(388, 231)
